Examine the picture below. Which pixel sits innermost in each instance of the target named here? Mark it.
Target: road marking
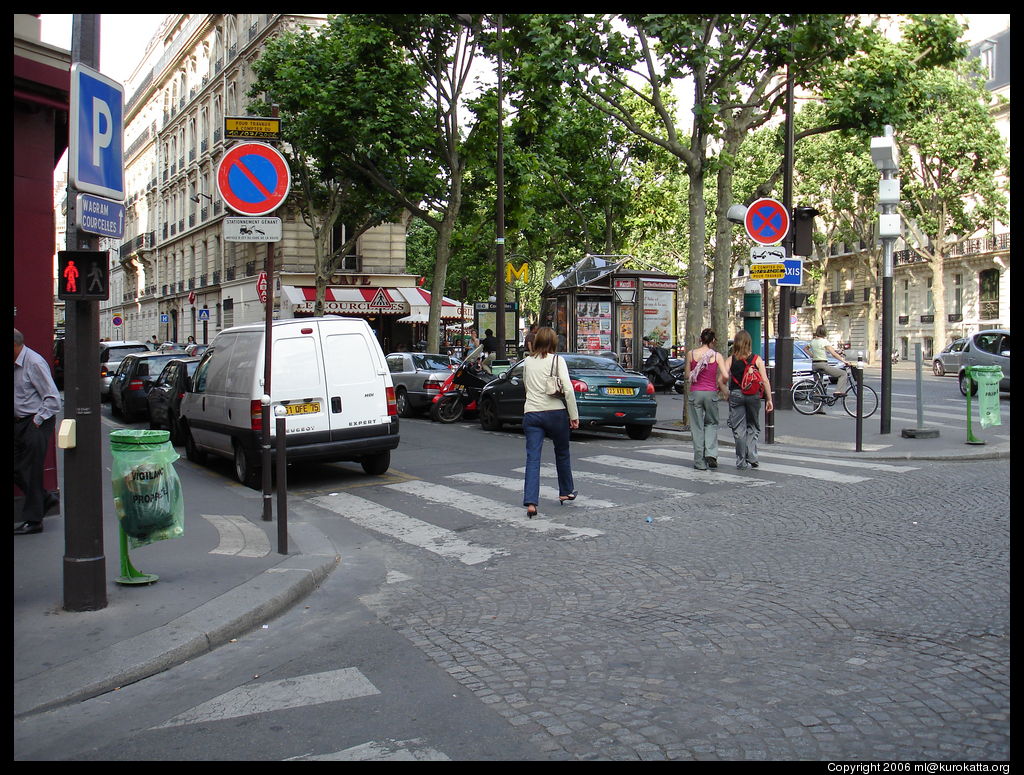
(491, 510)
(516, 485)
(679, 472)
(238, 536)
(610, 480)
(868, 464)
(424, 535)
(775, 468)
(302, 691)
(380, 751)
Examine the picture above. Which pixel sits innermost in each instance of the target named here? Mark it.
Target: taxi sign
(253, 178)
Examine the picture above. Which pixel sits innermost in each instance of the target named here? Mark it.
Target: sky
(123, 38)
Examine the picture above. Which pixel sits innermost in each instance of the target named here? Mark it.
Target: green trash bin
(987, 379)
(147, 491)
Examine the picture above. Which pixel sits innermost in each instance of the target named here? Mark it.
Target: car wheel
(245, 470)
(639, 432)
(489, 420)
(378, 464)
(938, 369)
(963, 384)
(192, 452)
(402, 403)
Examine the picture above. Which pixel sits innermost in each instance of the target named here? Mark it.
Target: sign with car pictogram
(252, 229)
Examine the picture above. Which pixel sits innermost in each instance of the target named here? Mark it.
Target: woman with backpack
(747, 381)
(705, 370)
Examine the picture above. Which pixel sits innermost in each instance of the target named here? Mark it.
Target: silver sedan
(418, 378)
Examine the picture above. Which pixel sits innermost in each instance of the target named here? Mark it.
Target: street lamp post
(500, 180)
(886, 158)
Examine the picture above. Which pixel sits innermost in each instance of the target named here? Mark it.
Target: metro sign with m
(96, 139)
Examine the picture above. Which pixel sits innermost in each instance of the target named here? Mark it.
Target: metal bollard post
(282, 483)
(859, 376)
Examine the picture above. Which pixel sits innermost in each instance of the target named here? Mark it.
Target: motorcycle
(460, 392)
(662, 373)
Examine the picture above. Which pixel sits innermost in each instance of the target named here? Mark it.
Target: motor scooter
(460, 392)
(663, 374)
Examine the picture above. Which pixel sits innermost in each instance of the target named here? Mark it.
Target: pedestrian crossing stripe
(605, 479)
(491, 510)
(675, 471)
(302, 691)
(775, 468)
(425, 535)
(380, 751)
(516, 485)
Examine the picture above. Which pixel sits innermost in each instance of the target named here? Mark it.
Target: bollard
(282, 483)
(920, 432)
(859, 373)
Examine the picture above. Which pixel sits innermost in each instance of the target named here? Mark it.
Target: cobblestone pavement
(817, 622)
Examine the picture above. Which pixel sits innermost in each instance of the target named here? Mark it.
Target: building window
(906, 297)
(987, 57)
(958, 294)
(988, 294)
(929, 299)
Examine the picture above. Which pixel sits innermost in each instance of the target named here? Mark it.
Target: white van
(330, 375)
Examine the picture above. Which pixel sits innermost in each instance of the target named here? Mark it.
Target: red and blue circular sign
(253, 178)
(767, 221)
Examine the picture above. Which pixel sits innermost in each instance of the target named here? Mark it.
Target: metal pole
(268, 349)
(887, 309)
(282, 486)
(917, 380)
(783, 378)
(860, 405)
(499, 295)
(84, 562)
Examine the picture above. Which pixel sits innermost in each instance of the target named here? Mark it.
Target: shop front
(394, 306)
(598, 306)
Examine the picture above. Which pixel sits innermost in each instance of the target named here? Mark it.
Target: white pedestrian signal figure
(96, 279)
(71, 275)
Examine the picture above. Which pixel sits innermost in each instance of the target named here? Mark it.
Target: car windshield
(116, 354)
(591, 363)
(431, 362)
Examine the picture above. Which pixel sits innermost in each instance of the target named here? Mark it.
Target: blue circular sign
(767, 221)
(253, 178)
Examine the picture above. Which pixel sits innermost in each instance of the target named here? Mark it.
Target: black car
(133, 380)
(164, 399)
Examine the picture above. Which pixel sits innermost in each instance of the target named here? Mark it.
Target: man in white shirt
(36, 404)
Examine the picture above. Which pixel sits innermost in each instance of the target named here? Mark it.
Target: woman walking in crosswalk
(744, 408)
(705, 370)
(550, 414)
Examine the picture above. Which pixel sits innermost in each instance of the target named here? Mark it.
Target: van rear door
(357, 380)
(297, 383)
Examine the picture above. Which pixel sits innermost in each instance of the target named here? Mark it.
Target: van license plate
(619, 391)
(302, 408)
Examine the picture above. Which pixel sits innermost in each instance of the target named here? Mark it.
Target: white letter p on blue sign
(95, 142)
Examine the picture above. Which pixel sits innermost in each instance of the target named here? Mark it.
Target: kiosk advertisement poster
(659, 315)
(593, 326)
(626, 335)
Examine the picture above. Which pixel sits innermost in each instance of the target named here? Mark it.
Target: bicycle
(811, 393)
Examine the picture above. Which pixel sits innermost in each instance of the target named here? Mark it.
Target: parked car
(164, 399)
(111, 355)
(195, 349)
(171, 347)
(58, 362)
(606, 395)
(134, 378)
(418, 378)
(801, 358)
(329, 375)
(950, 359)
(986, 348)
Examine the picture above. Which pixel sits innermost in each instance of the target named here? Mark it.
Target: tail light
(431, 385)
(135, 384)
(256, 414)
(650, 388)
(579, 386)
(392, 404)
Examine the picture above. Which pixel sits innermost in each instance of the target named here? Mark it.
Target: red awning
(369, 300)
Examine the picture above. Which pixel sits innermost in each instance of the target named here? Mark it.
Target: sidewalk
(834, 434)
(204, 599)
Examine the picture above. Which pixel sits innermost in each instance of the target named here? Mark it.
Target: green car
(606, 395)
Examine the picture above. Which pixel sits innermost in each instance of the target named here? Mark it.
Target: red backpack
(751, 385)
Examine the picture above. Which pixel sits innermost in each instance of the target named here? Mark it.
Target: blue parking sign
(96, 137)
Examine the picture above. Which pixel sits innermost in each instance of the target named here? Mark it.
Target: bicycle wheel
(806, 397)
(870, 401)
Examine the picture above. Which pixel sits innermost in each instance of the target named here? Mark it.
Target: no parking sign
(767, 221)
(253, 178)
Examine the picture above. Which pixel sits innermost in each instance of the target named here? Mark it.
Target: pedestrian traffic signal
(83, 275)
(803, 228)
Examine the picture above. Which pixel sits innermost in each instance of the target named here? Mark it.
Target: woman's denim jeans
(554, 425)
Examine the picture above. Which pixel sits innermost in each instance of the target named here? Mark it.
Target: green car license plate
(310, 408)
(619, 391)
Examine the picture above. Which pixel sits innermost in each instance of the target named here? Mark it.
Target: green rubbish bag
(988, 378)
(147, 492)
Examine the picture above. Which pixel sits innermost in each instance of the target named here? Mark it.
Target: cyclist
(820, 350)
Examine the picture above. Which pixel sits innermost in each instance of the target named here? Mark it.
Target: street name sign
(252, 229)
(766, 221)
(96, 136)
(252, 128)
(253, 178)
(99, 216)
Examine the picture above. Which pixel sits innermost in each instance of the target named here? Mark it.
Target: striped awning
(345, 300)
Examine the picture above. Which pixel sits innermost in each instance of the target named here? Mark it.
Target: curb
(210, 625)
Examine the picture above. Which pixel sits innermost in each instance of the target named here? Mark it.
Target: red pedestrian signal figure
(71, 275)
